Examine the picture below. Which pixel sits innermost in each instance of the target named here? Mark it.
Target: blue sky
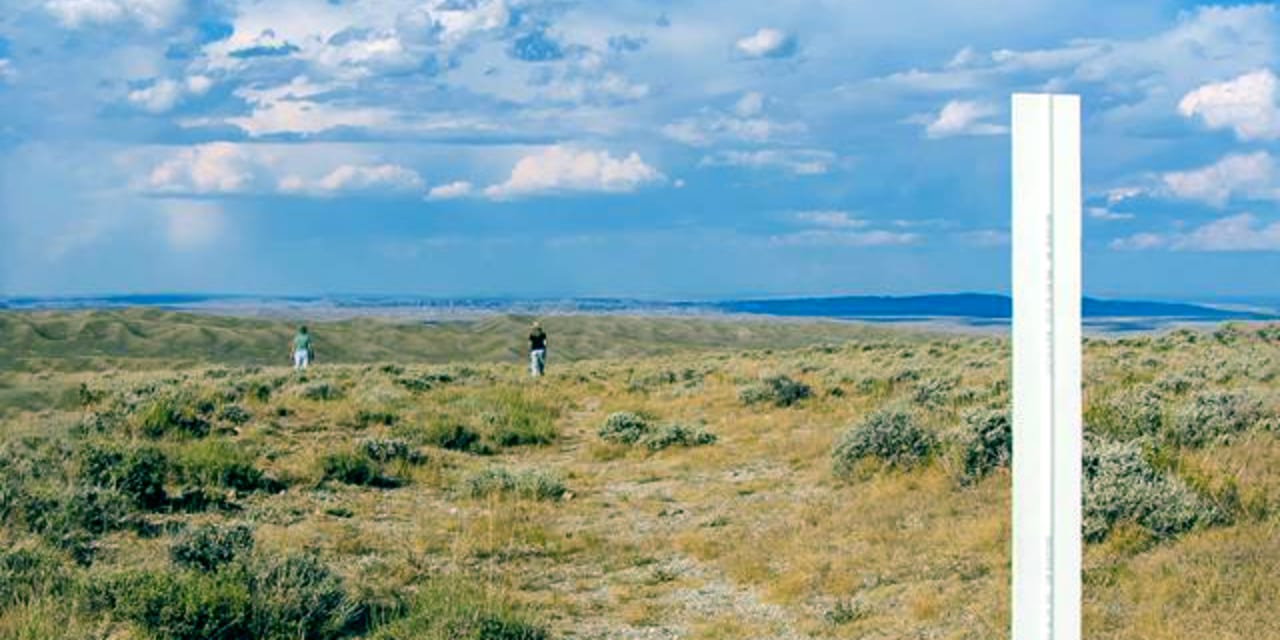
(664, 149)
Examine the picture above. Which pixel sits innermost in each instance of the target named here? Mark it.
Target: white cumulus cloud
(1246, 105)
(451, 190)
(164, 94)
(292, 109)
(559, 169)
(159, 97)
(152, 14)
(457, 21)
(767, 43)
(1251, 176)
(962, 118)
(1241, 232)
(348, 178)
(225, 168)
(213, 168)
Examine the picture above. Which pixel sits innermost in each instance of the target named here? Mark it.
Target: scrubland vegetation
(732, 485)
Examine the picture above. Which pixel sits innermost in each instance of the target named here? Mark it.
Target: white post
(1047, 432)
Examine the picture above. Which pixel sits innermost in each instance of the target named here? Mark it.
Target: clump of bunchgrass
(31, 570)
(320, 391)
(451, 608)
(174, 413)
(221, 464)
(292, 596)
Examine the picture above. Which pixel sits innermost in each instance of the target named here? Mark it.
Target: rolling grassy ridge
(150, 338)
(739, 480)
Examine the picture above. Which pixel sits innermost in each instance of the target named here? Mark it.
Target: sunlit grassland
(464, 499)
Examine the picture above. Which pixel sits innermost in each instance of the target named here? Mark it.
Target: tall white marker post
(1047, 435)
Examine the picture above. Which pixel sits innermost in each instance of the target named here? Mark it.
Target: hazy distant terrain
(962, 310)
(163, 476)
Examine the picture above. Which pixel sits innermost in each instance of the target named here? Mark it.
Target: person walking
(302, 352)
(537, 350)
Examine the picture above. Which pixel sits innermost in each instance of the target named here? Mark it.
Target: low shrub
(208, 547)
(181, 605)
(141, 476)
(388, 449)
(934, 391)
(780, 390)
(1132, 413)
(351, 467)
(73, 519)
(890, 436)
(234, 414)
(138, 473)
(454, 436)
(1213, 416)
(425, 381)
(678, 435)
(625, 427)
(531, 484)
(1121, 485)
(367, 417)
(298, 596)
(984, 443)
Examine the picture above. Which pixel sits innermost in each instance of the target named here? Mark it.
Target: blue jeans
(537, 361)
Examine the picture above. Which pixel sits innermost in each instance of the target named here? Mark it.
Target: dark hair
(302, 329)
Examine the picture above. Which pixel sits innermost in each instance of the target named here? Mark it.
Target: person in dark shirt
(537, 350)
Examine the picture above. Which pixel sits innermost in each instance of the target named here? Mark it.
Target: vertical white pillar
(1047, 431)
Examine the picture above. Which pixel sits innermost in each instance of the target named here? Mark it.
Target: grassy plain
(670, 478)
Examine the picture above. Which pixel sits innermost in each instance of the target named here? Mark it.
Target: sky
(663, 149)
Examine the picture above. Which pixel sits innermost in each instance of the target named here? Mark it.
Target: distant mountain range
(979, 307)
